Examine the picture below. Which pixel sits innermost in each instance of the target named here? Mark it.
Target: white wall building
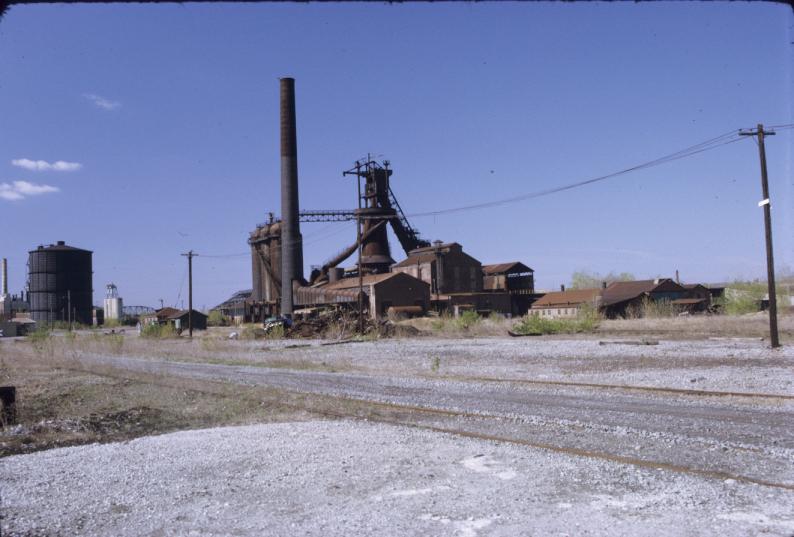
(113, 303)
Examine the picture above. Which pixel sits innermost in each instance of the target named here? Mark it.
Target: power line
(224, 256)
(181, 285)
(712, 143)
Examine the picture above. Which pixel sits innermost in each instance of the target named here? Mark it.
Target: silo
(60, 276)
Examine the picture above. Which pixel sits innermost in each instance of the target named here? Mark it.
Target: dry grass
(448, 326)
(696, 326)
(62, 401)
(670, 326)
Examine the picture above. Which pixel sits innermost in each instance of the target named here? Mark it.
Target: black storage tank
(59, 275)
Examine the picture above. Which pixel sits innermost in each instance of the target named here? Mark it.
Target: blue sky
(165, 122)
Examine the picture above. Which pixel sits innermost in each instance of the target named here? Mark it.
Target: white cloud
(44, 166)
(101, 102)
(18, 190)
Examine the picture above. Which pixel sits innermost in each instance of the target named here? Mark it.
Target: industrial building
(440, 276)
(114, 305)
(445, 267)
(566, 304)
(620, 298)
(60, 283)
(388, 292)
(158, 316)
(181, 320)
(234, 308)
(10, 305)
(513, 277)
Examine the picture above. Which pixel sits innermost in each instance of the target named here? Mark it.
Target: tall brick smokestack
(291, 240)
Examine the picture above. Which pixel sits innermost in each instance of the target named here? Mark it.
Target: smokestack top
(4, 290)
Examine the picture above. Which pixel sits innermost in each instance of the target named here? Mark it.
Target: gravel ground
(746, 437)
(358, 478)
(724, 364)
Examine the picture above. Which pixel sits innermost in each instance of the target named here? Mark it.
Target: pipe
(291, 240)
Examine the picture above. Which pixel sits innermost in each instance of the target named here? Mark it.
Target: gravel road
(741, 437)
(535, 451)
(725, 364)
(357, 478)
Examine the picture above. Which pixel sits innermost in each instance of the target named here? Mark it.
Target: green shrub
(742, 297)
(111, 323)
(252, 331)
(216, 318)
(41, 333)
(41, 340)
(435, 364)
(275, 332)
(442, 322)
(467, 319)
(159, 331)
(535, 325)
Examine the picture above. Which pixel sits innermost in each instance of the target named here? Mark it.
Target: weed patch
(535, 325)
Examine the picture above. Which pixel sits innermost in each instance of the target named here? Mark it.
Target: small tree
(216, 318)
(583, 279)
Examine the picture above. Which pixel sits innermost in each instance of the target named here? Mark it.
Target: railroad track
(598, 455)
(621, 387)
(703, 438)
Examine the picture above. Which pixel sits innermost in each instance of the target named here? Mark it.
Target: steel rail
(625, 387)
(159, 378)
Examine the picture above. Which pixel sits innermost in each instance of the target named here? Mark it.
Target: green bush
(39, 335)
(252, 331)
(276, 332)
(435, 364)
(216, 318)
(41, 340)
(159, 331)
(467, 319)
(441, 322)
(535, 325)
(742, 297)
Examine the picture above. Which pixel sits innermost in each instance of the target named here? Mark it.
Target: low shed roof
(500, 268)
(566, 298)
(182, 313)
(618, 292)
(370, 279)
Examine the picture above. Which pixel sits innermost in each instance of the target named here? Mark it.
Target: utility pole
(765, 203)
(360, 271)
(190, 255)
(358, 174)
(69, 307)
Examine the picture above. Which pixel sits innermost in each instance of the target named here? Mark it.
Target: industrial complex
(438, 276)
(434, 277)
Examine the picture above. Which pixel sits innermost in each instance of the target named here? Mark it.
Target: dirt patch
(62, 407)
